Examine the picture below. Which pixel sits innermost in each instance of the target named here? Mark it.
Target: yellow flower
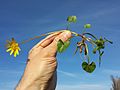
(13, 47)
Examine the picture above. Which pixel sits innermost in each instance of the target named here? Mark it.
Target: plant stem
(25, 41)
(99, 58)
(88, 59)
(90, 35)
(68, 26)
(36, 37)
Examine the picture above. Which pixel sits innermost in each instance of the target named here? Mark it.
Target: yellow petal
(8, 49)
(8, 41)
(11, 52)
(15, 54)
(7, 46)
(19, 49)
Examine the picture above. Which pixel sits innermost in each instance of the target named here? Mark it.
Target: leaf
(101, 53)
(95, 49)
(61, 49)
(87, 26)
(66, 44)
(72, 19)
(100, 43)
(108, 41)
(62, 46)
(69, 19)
(88, 67)
(59, 44)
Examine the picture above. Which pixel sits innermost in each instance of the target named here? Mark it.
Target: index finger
(45, 42)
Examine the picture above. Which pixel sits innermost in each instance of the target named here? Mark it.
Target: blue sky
(23, 19)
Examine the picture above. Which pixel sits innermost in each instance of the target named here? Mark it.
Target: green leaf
(69, 19)
(95, 49)
(72, 19)
(101, 53)
(59, 44)
(100, 43)
(62, 46)
(61, 49)
(87, 26)
(108, 41)
(88, 67)
(67, 43)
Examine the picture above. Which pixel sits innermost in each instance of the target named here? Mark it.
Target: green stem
(36, 37)
(106, 40)
(68, 26)
(90, 35)
(83, 31)
(25, 41)
(76, 34)
(99, 58)
(88, 58)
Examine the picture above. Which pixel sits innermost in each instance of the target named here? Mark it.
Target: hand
(40, 72)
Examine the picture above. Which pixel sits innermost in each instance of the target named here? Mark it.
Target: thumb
(63, 36)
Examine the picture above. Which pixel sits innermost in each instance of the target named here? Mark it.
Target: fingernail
(67, 34)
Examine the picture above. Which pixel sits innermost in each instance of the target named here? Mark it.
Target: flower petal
(19, 49)
(11, 52)
(8, 49)
(13, 47)
(15, 54)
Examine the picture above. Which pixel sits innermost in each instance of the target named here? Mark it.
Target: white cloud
(112, 72)
(83, 87)
(67, 73)
(8, 85)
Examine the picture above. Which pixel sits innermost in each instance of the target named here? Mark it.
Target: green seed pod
(87, 26)
(72, 19)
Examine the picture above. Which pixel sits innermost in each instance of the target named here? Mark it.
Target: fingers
(45, 41)
(50, 43)
(63, 36)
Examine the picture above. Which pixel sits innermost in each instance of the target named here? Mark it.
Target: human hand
(40, 72)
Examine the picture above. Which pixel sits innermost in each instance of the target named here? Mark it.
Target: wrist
(32, 83)
(36, 75)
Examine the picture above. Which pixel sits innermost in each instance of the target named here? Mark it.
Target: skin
(40, 71)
